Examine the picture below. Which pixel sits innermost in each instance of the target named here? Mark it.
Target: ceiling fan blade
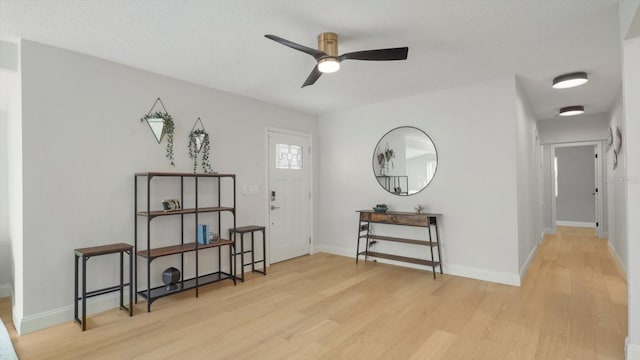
(377, 55)
(313, 77)
(317, 54)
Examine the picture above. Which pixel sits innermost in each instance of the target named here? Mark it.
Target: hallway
(577, 285)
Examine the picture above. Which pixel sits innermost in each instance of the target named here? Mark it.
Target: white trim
(450, 269)
(576, 223)
(61, 315)
(5, 290)
(333, 250)
(631, 351)
(549, 231)
(483, 274)
(527, 263)
(618, 259)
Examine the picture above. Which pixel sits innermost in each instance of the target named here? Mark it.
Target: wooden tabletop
(398, 213)
(103, 249)
(246, 229)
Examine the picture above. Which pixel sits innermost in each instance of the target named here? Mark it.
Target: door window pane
(288, 156)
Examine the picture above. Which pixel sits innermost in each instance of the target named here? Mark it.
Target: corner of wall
(5, 290)
(631, 351)
(525, 267)
(29, 324)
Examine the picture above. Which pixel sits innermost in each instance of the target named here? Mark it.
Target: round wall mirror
(405, 161)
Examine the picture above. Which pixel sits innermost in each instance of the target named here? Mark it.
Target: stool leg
(131, 288)
(232, 269)
(84, 293)
(253, 258)
(264, 253)
(75, 292)
(242, 256)
(121, 280)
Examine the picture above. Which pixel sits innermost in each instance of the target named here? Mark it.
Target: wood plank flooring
(572, 305)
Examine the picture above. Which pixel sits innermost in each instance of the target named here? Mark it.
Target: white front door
(289, 195)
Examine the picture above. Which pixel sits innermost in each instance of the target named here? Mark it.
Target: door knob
(273, 207)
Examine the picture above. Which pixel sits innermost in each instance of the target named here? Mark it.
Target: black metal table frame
(83, 323)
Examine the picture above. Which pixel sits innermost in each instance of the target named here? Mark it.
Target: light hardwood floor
(572, 305)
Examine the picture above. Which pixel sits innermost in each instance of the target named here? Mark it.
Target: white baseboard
(483, 274)
(451, 269)
(631, 351)
(618, 259)
(576, 224)
(527, 263)
(58, 316)
(334, 250)
(5, 290)
(549, 231)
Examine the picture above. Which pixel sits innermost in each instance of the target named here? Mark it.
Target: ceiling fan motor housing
(328, 42)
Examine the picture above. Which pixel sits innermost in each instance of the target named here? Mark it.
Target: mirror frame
(375, 150)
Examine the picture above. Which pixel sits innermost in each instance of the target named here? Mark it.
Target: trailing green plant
(168, 129)
(204, 150)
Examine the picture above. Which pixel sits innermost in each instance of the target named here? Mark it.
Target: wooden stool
(250, 229)
(86, 254)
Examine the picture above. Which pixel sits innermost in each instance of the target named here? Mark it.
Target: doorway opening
(576, 195)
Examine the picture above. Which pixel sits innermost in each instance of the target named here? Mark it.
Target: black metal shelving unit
(149, 253)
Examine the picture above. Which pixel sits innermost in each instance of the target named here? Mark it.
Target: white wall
(83, 141)
(573, 129)
(615, 182)
(528, 181)
(631, 156)
(629, 18)
(474, 187)
(9, 107)
(11, 172)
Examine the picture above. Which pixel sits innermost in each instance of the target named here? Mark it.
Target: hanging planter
(161, 124)
(200, 144)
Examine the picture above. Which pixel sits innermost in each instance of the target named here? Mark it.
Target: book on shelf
(203, 234)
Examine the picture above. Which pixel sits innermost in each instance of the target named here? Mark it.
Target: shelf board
(185, 285)
(400, 258)
(179, 249)
(154, 213)
(400, 240)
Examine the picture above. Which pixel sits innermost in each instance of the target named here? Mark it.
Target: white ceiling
(221, 44)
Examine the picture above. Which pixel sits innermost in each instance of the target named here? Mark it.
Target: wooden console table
(428, 221)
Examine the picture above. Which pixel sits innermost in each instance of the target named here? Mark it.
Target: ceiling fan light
(328, 65)
(571, 110)
(570, 80)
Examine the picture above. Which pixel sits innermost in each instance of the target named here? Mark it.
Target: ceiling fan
(327, 57)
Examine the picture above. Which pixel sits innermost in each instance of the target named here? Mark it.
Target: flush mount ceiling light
(571, 110)
(570, 80)
(328, 65)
